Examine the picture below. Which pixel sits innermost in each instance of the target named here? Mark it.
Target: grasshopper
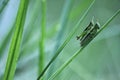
(86, 30)
(89, 33)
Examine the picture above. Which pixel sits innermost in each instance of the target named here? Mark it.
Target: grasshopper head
(77, 37)
(97, 25)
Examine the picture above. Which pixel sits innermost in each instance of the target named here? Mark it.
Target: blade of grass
(26, 49)
(65, 65)
(63, 23)
(66, 41)
(28, 33)
(31, 25)
(5, 42)
(78, 10)
(42, 38)
(64, 19)
(79, 51)
(16, 41)
(4, 3)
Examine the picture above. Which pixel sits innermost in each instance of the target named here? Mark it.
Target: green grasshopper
(89, 33)
(86, 30)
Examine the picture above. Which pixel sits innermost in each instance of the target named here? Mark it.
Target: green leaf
(16, 41)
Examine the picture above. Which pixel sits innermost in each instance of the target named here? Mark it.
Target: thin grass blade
(16, 41)
(42, 38)
(5, 42)
(63, 23)
(2, 6)
(79, 51)
(66, 41)
(31, 24)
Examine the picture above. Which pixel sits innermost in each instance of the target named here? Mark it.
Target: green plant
(78, 52)
(16, 40)
(65, 42)
(2, 6)
(42, 40)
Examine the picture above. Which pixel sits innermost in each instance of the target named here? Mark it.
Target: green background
(98, 61)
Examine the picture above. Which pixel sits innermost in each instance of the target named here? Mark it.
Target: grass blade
(66, 41)
(31, 24)
(16, 41)
(64, 20)
(78, 52)
(63, 23)
(5, 42)
(42, 39)
(65, 65)
(2, 6)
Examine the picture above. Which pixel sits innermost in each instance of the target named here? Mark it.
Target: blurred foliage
(98, 61)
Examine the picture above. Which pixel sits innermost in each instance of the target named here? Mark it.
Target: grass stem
(16, 41)
(65, 42)
(2, 6)
(42, 38)
(79, 51)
